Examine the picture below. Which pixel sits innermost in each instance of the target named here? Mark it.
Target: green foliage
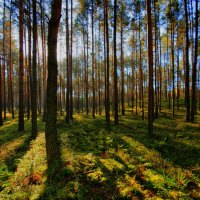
(96, 164)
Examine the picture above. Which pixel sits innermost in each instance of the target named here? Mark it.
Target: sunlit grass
(122, 163)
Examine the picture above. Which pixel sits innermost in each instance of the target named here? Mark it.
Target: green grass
(120, 164)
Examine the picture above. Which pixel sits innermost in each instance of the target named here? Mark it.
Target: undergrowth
(122, 163)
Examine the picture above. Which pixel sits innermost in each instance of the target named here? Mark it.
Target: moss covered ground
(122, 163)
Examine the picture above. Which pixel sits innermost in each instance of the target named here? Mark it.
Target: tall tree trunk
(87, 84)
(194, 69)
(156, 61)
(34, 74)
(29, 57)
(4, 61)
(107, 66)
(178, 77)
(71, 64)
(133, 81)
(43, 35)
(172, 58)
(116, 120)
(67, 119)
(122, 66)
(150, 66)
(21, 67)
(141, 72)
(52, 148)
(11, 67)
(187, 67)
(1, 118)
(93, 85)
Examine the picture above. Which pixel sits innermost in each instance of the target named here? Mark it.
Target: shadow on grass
(18, 153)
(92, 178)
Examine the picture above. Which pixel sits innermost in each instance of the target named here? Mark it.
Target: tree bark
(116, 120)
(187, 67)
(1, 118)
(21, 67)
(52, 148)
(107, 66)
(150, 67)
(34, 74)
(194, 69)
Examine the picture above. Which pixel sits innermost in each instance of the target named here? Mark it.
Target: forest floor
(120, 164)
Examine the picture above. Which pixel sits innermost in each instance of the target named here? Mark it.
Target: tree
(11, 66)
(1, 119)
(21, 67)
(116, 121)
(52, 147)
(187, 68)
(194, 68)
(93, 84)
(150, 66)
(122, 57)
(34, 74)
(107, 100)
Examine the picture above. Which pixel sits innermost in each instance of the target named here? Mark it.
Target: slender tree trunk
(4, 61)
(67, 66)
(150, 66)
(122, 68)
(71, 64)
(107, 66)
(52, 148)
(194, 69)
(93, 85)
(187, 68)
(34, 74)
(21, 67)
(133, 81)
(29, 57)
(1, 118)
(43, 35)
(87, 84)
(178, 77)
(156, 61)
(116, 120)
(172, 58)
(141, 73)
(11, 67)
